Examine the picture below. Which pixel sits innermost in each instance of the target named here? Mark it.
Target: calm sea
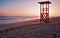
(11, 19)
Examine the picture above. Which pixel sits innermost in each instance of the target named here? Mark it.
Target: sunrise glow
(27, 8)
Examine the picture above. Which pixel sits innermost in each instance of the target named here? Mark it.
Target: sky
(27, 8)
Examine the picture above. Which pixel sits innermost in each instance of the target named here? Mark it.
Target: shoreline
(30, 29)
(19, 24)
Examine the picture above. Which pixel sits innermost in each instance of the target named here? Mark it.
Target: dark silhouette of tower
(44, 11)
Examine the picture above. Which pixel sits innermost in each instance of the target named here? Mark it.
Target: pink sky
(27, 8)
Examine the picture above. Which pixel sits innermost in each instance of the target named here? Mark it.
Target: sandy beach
(30, 29)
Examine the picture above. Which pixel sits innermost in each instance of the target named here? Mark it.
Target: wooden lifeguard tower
(44, 11)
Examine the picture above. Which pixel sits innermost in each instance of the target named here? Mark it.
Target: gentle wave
(12, 19)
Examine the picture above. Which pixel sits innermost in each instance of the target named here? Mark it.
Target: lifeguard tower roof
(45, 2)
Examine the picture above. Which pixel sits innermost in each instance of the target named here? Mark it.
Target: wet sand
(20, 24)
(30, 29)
